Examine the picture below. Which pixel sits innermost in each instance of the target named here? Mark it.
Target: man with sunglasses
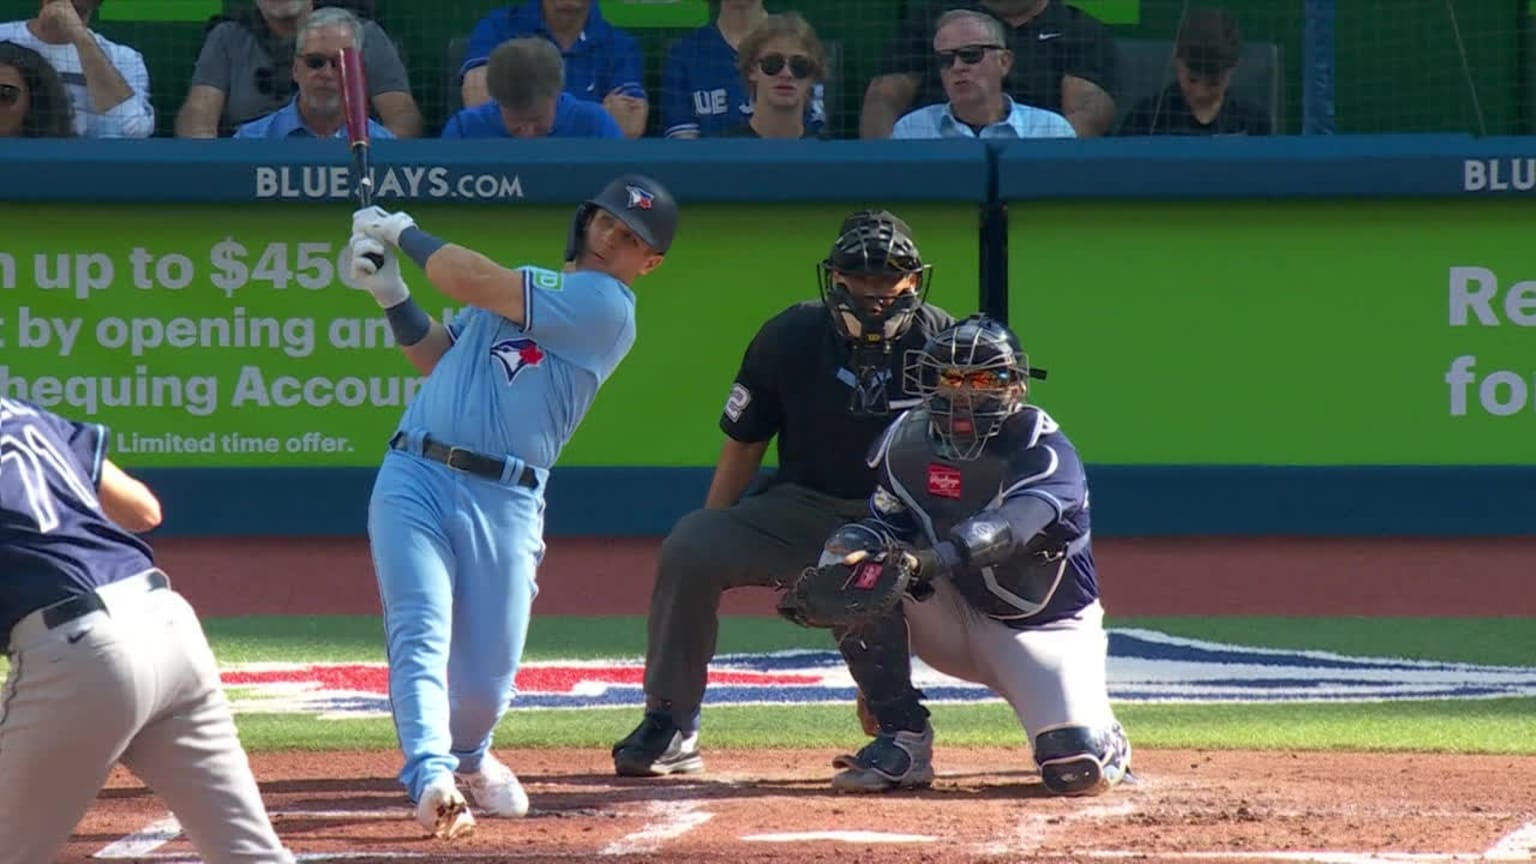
(973, 63)
(1063, 61)
(781, 61)
(980, 508)
(316, 109)
(821, 378)
(108, 84)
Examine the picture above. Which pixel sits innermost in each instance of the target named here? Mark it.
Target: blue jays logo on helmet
(639, 199)
(515, 355)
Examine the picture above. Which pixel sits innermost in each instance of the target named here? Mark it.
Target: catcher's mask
(642, 204)
(874, 252)
(971, 377)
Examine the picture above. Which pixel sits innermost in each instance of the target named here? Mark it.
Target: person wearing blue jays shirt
(603, 64)
(703, 94)
(456, 519)
(526, 77)
(316, 109)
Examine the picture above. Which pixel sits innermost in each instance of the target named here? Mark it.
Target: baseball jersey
(134, 117)
(574, 118)
(1061, 40)
(921, 494)
(55, 541)
(795, 383)
(702, 90)
(504, 389)
(1168, 113)
(602, 59)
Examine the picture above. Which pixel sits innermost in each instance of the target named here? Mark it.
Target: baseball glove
(861, 576)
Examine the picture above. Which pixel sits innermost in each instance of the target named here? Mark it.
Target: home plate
(838, 836)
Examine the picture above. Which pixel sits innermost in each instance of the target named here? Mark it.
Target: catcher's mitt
(861, 576)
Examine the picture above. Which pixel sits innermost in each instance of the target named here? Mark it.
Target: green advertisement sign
(1284, 332)
(221, 336)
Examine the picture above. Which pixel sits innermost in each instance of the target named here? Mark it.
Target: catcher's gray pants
(764, 539)
(137, 684)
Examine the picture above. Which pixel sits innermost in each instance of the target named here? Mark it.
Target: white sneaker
(496, 789)
(443, 811)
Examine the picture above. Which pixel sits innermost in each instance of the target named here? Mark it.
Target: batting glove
(380, 224)
(384, 283)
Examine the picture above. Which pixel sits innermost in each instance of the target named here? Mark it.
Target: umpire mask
(873, 254)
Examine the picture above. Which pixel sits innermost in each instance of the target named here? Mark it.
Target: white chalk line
(673, 820)
(143, 841)
(1314, 857)
(1517, 845)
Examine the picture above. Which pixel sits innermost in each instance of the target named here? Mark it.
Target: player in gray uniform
(108, 664)
(984, 500)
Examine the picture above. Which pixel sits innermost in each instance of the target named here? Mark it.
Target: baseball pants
(1052, 675)
(765, 539)
(136, 684)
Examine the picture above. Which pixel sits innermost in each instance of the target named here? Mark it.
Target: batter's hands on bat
(380, 224)
(385, 284)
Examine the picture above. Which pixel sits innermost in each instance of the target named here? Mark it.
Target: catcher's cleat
(1078, 761)
(657, 748)
(496, 790)
(903, 760)
(443, 811)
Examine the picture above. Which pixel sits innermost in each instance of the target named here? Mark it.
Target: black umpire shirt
(795, 382)
(1168, 113)
(1061, 40)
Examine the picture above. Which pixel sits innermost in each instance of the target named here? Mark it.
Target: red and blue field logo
(1144, 666)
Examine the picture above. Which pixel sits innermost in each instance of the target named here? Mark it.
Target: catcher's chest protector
(943, 493)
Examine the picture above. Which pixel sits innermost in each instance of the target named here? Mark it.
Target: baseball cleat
(657, 748)
(443, 811)
(496, 790)
(903, 760)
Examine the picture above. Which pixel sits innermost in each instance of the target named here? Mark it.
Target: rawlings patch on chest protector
(943, 481)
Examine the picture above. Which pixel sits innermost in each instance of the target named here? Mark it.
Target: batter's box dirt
(987, 804)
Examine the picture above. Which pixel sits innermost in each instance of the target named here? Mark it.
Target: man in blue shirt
(602, 63)
(526, 77)
(108, 663)
(316, 110)
(456, 520)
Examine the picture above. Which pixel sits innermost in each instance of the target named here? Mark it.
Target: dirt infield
(773, 806)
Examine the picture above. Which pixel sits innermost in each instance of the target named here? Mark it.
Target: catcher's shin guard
(1077, 760)
(901, 760)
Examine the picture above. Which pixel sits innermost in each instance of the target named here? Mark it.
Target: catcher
(978, 548)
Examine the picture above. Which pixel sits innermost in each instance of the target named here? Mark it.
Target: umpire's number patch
(737, 402)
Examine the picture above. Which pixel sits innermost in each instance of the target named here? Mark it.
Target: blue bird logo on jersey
(515, 355)
(639, 199)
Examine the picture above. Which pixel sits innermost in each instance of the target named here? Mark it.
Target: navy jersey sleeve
(87, 442)
(752, 412)
(1050, 469)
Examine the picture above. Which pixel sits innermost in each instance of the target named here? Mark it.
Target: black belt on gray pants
(460, 459)
(78, 607)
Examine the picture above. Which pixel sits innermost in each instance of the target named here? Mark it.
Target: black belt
(78, 607)
(468, 461)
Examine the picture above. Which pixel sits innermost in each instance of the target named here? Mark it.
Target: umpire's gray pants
(765, 539)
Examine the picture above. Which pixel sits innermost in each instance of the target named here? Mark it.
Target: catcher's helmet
(972, 377)
(872, 242)
(642, 204)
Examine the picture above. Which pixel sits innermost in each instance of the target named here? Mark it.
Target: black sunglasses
(320, 61)
(10, 94)
(970, 55)
(800, 65)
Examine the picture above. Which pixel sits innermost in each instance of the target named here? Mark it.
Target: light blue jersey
(521, 391)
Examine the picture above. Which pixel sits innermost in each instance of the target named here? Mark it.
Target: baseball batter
(822, 378)
(108, 664)
(456, 518)
(983, 500)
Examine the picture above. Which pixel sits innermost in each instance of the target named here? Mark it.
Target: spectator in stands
(526, 77)
(1197, 102)
(315, 110)
(703, 93)
(973, 62)
(1063, 61)
(244, 71)
(603, 64)
(107, 83)
(33, 101)
(780, 60)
